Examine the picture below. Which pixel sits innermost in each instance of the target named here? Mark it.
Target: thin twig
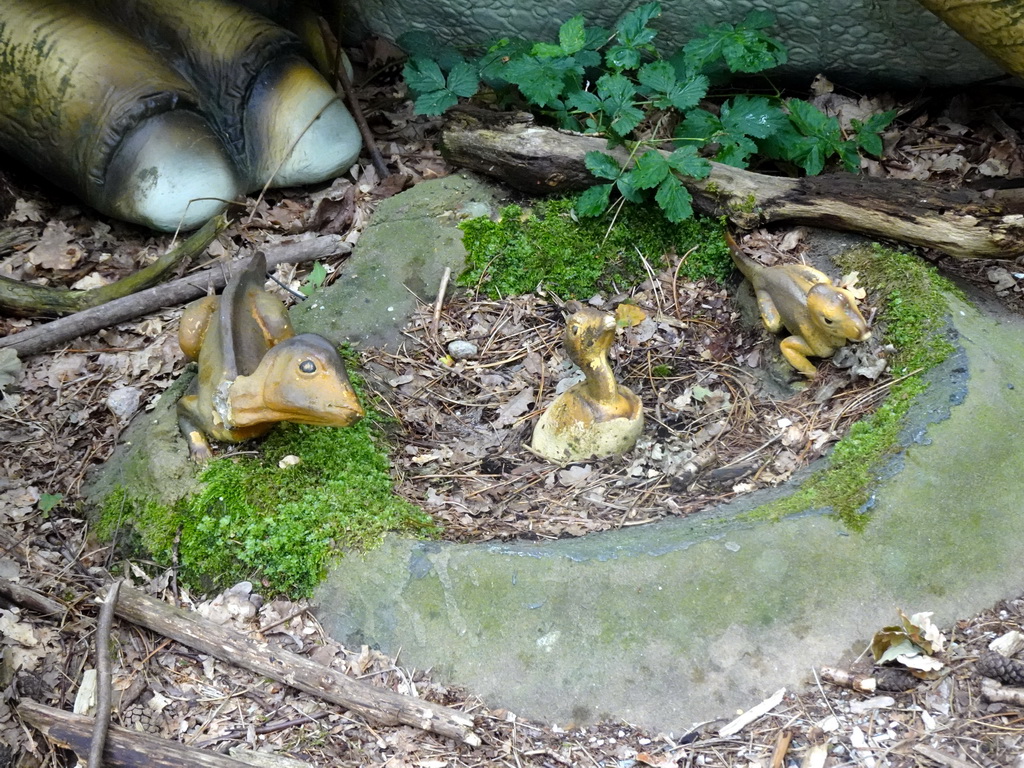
(103, 688)
(348, 91)
(439, 303)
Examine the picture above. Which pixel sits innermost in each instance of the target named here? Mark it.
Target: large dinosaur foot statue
(160, 112)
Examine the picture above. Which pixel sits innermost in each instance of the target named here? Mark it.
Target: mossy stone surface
(686, 620)
(151, 456)
(399, 261)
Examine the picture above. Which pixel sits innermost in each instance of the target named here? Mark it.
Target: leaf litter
(714, 430)
(57, 416)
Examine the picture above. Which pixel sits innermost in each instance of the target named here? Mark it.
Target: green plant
(575, 258)
(280, 522)
(616, 84)
(47, 501)
(316, 278)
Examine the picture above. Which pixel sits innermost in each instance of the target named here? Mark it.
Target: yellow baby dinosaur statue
(801, 299)
(596, 417)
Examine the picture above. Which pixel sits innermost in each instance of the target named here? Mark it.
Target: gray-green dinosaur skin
(854, 42)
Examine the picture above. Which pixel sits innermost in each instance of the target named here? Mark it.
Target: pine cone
(998, 667)
(139, 717)
(894, 680)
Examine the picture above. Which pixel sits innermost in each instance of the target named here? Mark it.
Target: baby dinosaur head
(589, 334)
(302, 379)
(835, 313)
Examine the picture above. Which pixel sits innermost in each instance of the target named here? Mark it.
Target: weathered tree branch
(42, 337)
(21, 298)
(29, 598)
(962, 223)
(378, 704)
(130, 749)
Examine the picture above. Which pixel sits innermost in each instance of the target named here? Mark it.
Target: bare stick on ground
(21, 298)
(43, 337)
(126, 748)
(380, 705)
(101, 724)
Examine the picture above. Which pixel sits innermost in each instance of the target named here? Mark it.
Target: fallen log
(381, 705)
(124, 747)
(40, 338)
(19, 298)
(962, 223)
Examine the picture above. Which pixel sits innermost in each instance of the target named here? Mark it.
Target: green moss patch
(576, 258)
(913, 318)
(282, 527)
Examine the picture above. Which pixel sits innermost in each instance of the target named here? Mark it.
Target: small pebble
(123, 402)
(460, 349)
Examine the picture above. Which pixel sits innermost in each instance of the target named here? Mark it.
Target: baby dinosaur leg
(198, 446)
(769, 313)
(796, 350)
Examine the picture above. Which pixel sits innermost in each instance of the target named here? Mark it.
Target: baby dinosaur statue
(596, 417)
(253, 370)
(801, 299)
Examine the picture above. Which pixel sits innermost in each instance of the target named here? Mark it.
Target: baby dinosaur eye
(307, 366)
(828, 321)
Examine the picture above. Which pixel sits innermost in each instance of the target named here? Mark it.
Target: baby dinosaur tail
(743, 263)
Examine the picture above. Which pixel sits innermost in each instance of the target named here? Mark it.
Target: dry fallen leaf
(10, 365)
(628, 315)
(54, 251)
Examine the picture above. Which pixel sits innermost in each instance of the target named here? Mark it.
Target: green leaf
(657, 75)
(587, 59)
(48, 501)
(464, 80)
(660, 76)
(686, 161)
(621, 57)
(632, 29)
(869, 142)
(744, 49)
(847, 151)
(314, 280)
(597, 37)
(689, 95)
(617, 92)
(423, 75)
(880, 121)
(571, 36)
(814, 161)
(540, 80)
(752, 52)
(425, 45)
(584, 101)
(435, 102)
(602, 165)
(567, 120)
(627, 188)
(492, 64)
(811, 121)
(700, 125)
(735, 150)
(625, 120)
(547, 50)
(674, 200)
(650, 170)
(752, 116)
(867, 133)
(594, 201)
